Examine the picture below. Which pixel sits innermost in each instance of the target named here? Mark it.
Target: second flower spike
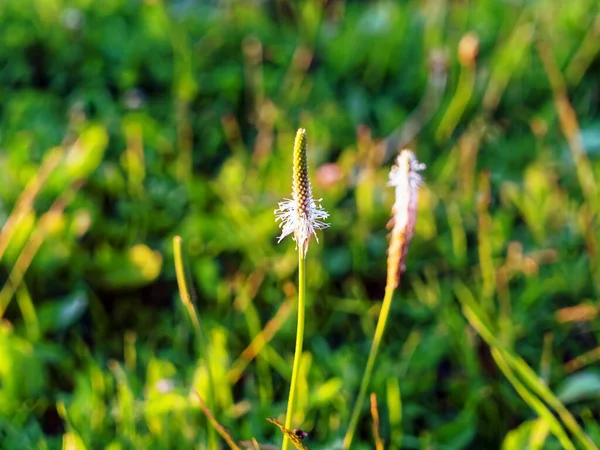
(302, 215)
(405, 178)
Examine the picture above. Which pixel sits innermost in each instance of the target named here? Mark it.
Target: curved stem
(187, 295)
(364, 384)
(299, 339)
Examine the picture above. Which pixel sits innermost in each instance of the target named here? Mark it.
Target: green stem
(186, 292)
(299, 339)
(364, 384)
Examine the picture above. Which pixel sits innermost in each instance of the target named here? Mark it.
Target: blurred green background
(126, 122)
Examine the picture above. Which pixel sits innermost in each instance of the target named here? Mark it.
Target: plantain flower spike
(302, 215)
(405, 177)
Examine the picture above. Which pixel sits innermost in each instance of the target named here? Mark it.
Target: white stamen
(302, 225)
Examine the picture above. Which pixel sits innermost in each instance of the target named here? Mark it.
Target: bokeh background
(126, 122)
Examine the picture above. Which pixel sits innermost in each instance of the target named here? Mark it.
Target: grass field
(125, 123)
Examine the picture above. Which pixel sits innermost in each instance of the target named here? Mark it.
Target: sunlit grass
(124, 125)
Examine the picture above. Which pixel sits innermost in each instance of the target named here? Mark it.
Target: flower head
(302, 215)
(405, 177)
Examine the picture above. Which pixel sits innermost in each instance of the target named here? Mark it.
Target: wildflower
(302, 215)
(405, 177)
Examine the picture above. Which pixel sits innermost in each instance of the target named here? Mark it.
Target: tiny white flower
(301, 215)
(301, 223)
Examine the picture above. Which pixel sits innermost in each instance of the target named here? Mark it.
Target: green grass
(124, 124)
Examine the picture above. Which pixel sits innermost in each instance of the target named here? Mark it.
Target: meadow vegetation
(124, 124)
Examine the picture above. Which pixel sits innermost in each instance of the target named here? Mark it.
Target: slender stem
(186, 292)
(364, 384)
(299, 338)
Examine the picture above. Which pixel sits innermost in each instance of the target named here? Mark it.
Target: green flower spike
(302, 215)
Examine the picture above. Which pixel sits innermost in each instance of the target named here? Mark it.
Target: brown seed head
(468, 48)
(405, 178)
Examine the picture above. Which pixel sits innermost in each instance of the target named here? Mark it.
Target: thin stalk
(299, 339)
(33, 244)
(186, 292)
(534, 402)
(478, 320)
(364, 384)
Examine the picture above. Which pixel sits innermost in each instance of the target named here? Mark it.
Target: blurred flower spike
(406, 179)
(302, 215)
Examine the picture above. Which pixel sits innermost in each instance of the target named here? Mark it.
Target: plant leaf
(579, 386)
